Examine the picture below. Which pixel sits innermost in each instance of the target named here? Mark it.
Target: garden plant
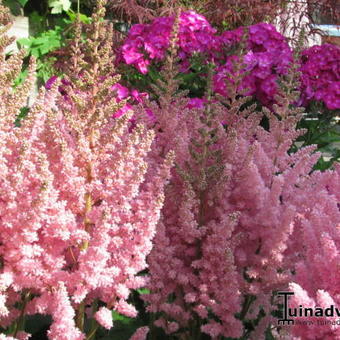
(170, 181)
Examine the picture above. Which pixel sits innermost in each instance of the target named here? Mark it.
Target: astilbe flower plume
(227, 238)
(77, 216)
(316, 242)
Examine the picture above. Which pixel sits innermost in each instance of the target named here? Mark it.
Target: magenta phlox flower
(196, 103)
(150, 41)
(268, 57)
(320, 68)
(61, 88)
(124, 93)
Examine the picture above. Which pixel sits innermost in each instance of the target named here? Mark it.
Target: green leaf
(24, 42)
(36, 22)
(154, 74)
(329, 137)
(123, 327)
(14, 6)
(21, 77)
(22, 2)
(22, 115)
(322, 164)
(269, 335)
(41, 40)
(189, 77)
(36, 52)
(83, 18)
(58, 6)
(122, 318)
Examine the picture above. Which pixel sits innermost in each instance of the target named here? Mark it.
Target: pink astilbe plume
(317, 244)
(104, 317)
(77, 215)
(140, 334)
(185, 281)
(227, 235)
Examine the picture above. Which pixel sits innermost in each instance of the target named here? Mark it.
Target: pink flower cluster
(316, 245)
(121, 91)
(320, 67)
(268, 53)
(249, 231)
(267, 56)
(124, 93)
(147, 42)
(87, 203)
(77, 216)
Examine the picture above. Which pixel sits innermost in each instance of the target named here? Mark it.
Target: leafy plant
(16, 6)
(43, 43)
(40, 46)
(324, 131)
(59, 6)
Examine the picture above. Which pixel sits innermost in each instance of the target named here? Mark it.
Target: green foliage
(194, 79)
(13, 3)
(50, 21)
(324, 131)
(15, 6)
(40, 46)
(46, 41)
(43, 43)
(59, 6)
(22, 115)
(142, 291)
(22, 76)
(37, 325)
(37, 22)
(22, 2)
(82, 17)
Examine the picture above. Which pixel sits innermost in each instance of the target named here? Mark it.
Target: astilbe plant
(77, 216)
(316, 241)
(237, 222)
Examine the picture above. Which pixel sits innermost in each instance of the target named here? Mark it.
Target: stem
(152, 328)
(196, 329)
(80, 316)
(72, 255)
(88, 199)
(249, 300)
(87, 222)
(92, 332)
(20, 324)
(94, 324)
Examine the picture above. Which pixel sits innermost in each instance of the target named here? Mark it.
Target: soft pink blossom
(104, 317)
